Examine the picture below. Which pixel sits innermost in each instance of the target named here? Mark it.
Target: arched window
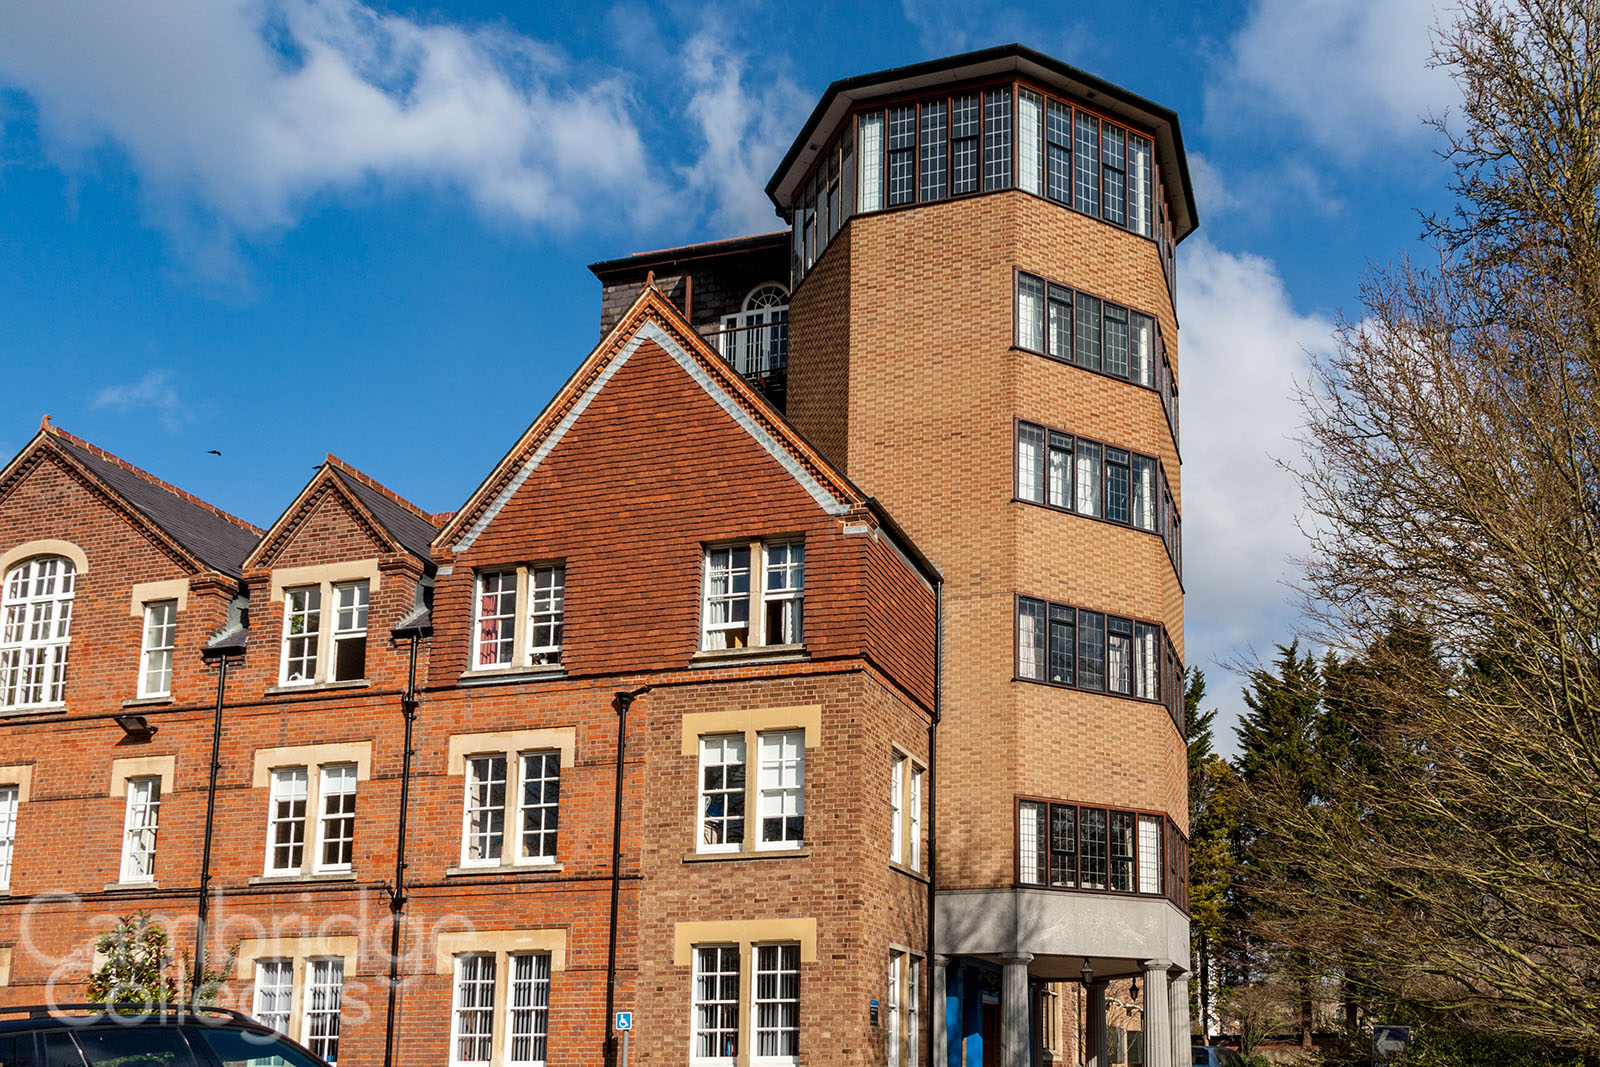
(756, 340)
(35, 627)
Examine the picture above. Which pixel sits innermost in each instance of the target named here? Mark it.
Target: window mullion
(519, 623)
(311, 857)
(329, 611)
(758, 593)
(752, 795)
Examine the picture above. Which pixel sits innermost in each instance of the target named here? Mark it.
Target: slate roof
(211, 535)
(411, 527)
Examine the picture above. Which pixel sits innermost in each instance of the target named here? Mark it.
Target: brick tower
(982, 334)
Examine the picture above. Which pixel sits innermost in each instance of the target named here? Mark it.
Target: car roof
(28, 1018)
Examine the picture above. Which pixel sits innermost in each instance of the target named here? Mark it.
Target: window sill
(147, 702)
(909, 872)
(18, 710)
(503, 869)
(131, 887)
(500, 675)
(716, 657)
(287, 879)
(316, 687)
(759, 854)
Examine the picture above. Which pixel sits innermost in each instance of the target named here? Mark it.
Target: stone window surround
(748, 723)
(746, 934)
(511, 744)
(313, 758)
(300, 951)
(324, 576)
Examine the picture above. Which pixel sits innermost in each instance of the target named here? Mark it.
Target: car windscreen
(238, 1048)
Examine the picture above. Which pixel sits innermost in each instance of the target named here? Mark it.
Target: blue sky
(278, 228)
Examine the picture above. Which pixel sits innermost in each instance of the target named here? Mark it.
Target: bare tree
(1453, 483)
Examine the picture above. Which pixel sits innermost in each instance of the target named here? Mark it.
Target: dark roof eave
(988, 55)
(418, 624)
(688, 253)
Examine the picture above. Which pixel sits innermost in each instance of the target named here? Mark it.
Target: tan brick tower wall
(916, 392)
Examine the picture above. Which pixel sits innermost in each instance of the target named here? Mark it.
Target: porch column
(1179, 995)
(1094, 1025)
(1014, 1010)
(938, 1011)
(1157, 1015)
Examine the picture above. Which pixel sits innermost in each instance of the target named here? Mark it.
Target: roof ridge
(182, 494)
(372, 483)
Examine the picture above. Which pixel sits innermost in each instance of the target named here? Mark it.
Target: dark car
(1216, 1056)
(86, 1035)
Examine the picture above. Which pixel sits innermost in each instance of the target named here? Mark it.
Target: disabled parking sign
(624, 1020)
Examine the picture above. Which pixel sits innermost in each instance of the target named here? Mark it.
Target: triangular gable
(654, 319)
(411, 528)
(196, 534)
(326, 481)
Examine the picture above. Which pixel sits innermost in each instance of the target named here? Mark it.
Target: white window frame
(697, 1003)
(482, 985)
(720, 606)
(897, 765)
(528, 598)
(546, 758)
(10, 802)
(504, 615)
(474, 776)
(535, 988)
(512, 814)
(325, 977)
(789, 597)
(905, 809)
(156, 648)
(721, 602)
(780, 780)
(1148, 835)
(140, 827)
(288, 785)
(273, 997)
(714, 749)
(303, 603)
(754, 1028)
(755, 340)
(336, 785)
(892, 1008)
(547, 588)
(36, 632)
(349, 624)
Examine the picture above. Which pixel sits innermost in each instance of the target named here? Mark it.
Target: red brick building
(672, 716)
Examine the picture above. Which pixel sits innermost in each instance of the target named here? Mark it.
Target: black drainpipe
(933, 788)
(397, 893)
(624, 700)
(203, 908)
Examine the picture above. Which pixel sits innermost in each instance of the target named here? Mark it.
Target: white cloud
(1353, 73)
(1243, 348)
(153, 395)
(745, 130)
(1292, 187)
(239, 112)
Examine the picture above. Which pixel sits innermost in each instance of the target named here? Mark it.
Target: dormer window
(35, 629)
(309, 630)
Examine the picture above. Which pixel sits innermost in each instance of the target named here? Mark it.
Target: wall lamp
(137, 727)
